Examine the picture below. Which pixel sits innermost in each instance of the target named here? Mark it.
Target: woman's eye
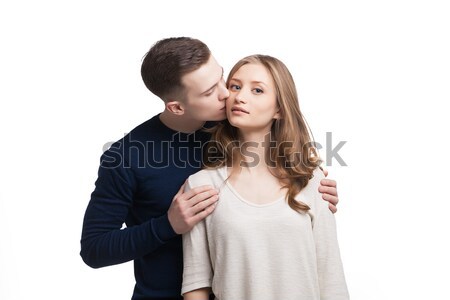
(235, 87)
(258, 91)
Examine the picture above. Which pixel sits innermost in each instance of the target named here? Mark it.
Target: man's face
(206, 92)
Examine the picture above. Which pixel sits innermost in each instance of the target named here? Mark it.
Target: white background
(374, 73)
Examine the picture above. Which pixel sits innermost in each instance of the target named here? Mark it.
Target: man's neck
(180, 123)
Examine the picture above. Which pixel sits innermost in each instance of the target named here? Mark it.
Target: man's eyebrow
(208, 90)
(215, 84)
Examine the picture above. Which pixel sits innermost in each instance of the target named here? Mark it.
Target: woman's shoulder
(310, 192)
(318, 175)
(208, 176)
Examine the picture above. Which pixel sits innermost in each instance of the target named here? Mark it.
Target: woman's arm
(329, 265)
(200, 294)
(197, 269)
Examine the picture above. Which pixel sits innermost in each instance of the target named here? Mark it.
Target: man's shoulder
(137, 138)
(147, 129)
(142, 133)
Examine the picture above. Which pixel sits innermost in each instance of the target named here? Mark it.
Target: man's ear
(175, 107)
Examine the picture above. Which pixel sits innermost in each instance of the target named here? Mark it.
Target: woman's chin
(235, 123)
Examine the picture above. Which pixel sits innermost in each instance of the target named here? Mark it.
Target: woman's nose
(240, 97)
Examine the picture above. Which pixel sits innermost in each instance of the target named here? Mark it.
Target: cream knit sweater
(256, 252)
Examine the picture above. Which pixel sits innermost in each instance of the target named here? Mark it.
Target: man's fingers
(189, 207)
(332, 208)
(198, 190)
(204, 213)
(204, 204)
(328, 190)
(332, 199)
(201, 196)
(328, 182)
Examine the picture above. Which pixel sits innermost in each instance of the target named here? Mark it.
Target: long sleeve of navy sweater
(137, 180)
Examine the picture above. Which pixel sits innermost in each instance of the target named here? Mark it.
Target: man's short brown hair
(168, 60)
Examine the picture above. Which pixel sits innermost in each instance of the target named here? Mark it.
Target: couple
(271, 236)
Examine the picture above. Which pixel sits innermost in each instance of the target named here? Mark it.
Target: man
(140, 176)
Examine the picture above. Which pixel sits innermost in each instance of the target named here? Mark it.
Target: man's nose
(224, 93)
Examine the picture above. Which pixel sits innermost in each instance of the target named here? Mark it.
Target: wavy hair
(294, 156)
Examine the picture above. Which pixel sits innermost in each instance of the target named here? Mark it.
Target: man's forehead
(204, 77)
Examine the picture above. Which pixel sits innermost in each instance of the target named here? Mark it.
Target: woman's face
(252, 104)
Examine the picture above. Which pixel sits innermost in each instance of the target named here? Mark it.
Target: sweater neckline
(223, 171)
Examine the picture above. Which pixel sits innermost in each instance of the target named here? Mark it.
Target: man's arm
(104, 243)
(328, 188)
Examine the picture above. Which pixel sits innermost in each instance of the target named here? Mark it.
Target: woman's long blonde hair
(294, 157)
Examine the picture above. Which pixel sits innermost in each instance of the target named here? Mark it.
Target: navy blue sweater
(137, 180)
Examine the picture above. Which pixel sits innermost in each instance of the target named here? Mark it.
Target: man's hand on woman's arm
(328, 188)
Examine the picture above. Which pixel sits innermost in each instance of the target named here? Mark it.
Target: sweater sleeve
(197, 271)
(103, 241)
(330, 270)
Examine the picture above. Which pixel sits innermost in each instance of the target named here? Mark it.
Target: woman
(271, 235)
